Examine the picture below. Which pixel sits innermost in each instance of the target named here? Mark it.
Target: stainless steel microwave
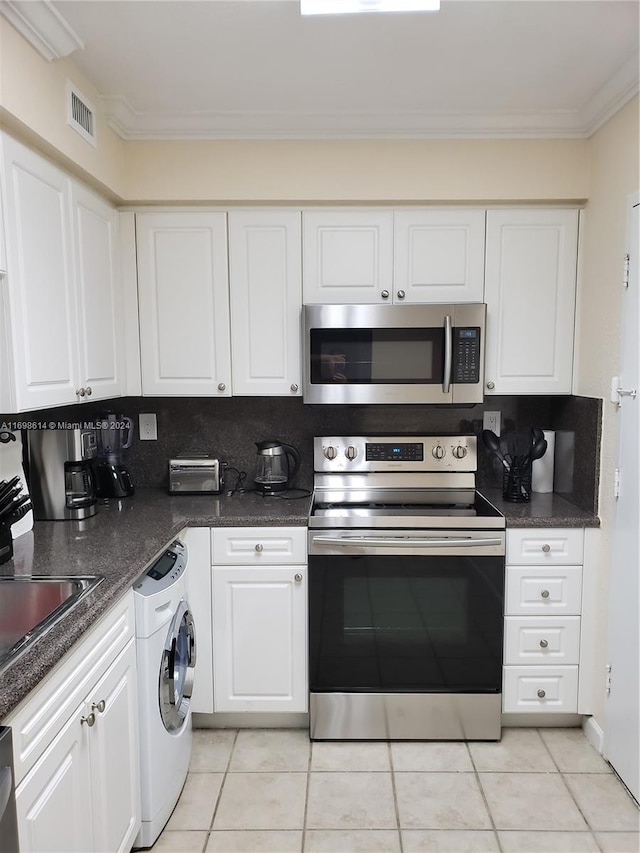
(377, 354)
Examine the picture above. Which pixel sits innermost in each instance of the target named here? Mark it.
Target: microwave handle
(448, 354)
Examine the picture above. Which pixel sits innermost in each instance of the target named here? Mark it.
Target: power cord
(241, 476)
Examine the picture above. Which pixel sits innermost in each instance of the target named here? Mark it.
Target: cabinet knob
(385, 294)
(259, 548)
(297, 577)
(545, 593)
(88, 390)
(294, 388)
(221, 386)
(79, 392)
(400, 294)
(491, 385)
(90, 720)
(543, 644)
(99, 706)
(541, 694)
(546, 548)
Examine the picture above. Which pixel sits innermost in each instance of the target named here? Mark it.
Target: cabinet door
(100, 311)
(259, 639)
(266, 298)
(42, 311)
(114, 757)
(530, 285)
(439, 255)
(184, 304)
(347, 256)
(54, 800)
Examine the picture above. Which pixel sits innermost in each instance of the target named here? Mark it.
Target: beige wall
(358, 171)
(614, 153)
(33, 106)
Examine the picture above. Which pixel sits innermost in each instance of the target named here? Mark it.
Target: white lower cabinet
(78, 784)
(543, 605)
(260, 622)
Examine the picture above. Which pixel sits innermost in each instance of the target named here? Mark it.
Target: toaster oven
(193, 475)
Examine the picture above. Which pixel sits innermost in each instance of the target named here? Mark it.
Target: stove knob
(330, 452)
(351, 452)
(460, 451)
(438, 451)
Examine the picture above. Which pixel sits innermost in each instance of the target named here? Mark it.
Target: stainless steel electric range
(406, 591)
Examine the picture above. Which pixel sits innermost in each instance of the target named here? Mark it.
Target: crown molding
(131, 124)
(612, 96)
(42, 26)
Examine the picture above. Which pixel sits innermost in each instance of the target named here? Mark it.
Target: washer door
(176, 669)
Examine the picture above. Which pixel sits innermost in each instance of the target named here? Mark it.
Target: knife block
(6, 544)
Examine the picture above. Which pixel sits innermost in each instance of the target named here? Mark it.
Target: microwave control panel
(466, 355)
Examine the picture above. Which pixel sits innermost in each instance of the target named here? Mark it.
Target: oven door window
(377, 356)
(406, 623)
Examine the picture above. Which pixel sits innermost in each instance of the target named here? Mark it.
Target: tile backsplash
(229, 427)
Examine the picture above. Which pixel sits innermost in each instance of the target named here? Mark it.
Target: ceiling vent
(81, 114)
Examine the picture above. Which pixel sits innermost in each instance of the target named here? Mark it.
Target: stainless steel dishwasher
(8, 820)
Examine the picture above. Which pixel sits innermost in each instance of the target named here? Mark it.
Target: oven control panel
(395, 453)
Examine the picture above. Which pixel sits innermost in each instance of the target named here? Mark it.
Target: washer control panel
(164, 571)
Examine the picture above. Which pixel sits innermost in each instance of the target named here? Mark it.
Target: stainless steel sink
(29, 607)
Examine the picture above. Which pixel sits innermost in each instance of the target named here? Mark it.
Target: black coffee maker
(114, 434)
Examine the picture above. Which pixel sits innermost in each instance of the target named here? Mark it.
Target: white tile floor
(272, 791)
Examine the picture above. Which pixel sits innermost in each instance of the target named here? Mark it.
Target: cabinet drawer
(552, 546)
(541, 640)
(549, 689)
(39, 718)
(542, 591)
(254, 546)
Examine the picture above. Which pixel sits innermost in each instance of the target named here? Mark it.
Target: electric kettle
(274, 473)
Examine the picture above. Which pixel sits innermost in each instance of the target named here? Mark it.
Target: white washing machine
(166, 652)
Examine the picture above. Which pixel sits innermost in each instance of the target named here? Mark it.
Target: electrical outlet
(148, 427)
(491, 420)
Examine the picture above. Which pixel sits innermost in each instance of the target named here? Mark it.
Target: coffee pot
(274, 473)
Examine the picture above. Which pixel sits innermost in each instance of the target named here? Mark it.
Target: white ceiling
(256, 69)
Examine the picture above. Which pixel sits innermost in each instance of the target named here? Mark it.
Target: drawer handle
(90, 720)
(541, 694)
(99, 706)
(545, 593)
(259, 548)
(297, 577)
(546, 548)
(543, 644)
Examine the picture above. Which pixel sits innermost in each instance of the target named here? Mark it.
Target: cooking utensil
(7, 485)
(492, 443)
(9, 497)
(17, 514)
(11, 508)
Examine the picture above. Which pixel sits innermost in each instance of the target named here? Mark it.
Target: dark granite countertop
(544, 510)
(118, 542)
(124, 536)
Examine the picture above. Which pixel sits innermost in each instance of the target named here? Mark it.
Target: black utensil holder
(516, 484)
(6, 544)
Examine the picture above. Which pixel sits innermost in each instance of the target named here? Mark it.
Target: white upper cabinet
(266, 298)
(439, 255)
(100, 308)
(347, 256)
(530, 287)
(62, 293)
(38, 293)
(184, 304)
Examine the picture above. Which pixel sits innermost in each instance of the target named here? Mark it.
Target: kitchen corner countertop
(543, 510)
(118, 543)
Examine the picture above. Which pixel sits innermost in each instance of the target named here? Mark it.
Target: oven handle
(448, 354)
(403, 541)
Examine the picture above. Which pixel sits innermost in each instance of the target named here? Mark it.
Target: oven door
(396, 613)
